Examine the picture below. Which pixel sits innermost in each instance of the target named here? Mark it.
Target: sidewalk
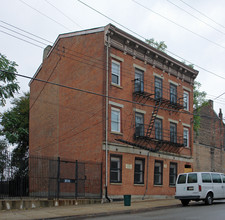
(87, 211)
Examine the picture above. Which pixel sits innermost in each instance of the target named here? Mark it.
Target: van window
(192, 178)
(223, 177)
(206, 178)
(182, 179)
(216, 178)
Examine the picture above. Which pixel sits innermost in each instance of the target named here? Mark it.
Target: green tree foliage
(9, 86)
(158, 45)
(199, 102)
(15, 128)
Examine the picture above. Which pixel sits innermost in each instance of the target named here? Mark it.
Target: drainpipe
(107, 119)
(146, 189)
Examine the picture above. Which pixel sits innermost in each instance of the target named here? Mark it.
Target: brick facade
(209, 144)
(69, 122)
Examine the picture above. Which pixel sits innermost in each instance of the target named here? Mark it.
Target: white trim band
(116, 104)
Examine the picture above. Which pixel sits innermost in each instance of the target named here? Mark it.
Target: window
(158, 172)
(216, 178)
(158, 88)
(139, 81)
(173, 93)
(206, 178)
(158, 129)
(173, 132)
(173, 174)
(115, 169)
(186, 101)
(139, 125)
(186, 137)
(115, 119)
(182, 179)
(192, 178)
(115, 72)
(139, 171)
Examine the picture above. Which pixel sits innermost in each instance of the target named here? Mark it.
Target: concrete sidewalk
(87, 211)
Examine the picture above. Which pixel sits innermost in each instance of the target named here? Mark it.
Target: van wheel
(185, 202)
(209, 199)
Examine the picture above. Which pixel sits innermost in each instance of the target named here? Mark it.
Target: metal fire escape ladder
(154, 114)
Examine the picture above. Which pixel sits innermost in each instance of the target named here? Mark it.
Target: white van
(205, 186)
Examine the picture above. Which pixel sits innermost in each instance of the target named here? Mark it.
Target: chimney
(211, 104)
(46, 51)
(221, 114)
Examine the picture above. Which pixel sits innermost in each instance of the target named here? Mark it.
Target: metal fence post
(58, 178)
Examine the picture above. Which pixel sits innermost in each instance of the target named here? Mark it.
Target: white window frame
(187, 98)
(188, 139)
(115, 110)
(115, 73)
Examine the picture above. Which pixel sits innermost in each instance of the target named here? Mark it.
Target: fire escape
(151, 137)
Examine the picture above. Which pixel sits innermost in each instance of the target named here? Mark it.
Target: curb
(102, 214)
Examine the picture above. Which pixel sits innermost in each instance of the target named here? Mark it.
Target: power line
(63, 14)
(145, 39)
(45, 15)
(178, 24)
(202, 14)
(219, 96)
(196, 17)
(97, 94)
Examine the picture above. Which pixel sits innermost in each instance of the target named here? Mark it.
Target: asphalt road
(195, 211)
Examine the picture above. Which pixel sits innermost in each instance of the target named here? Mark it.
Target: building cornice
(138, 49)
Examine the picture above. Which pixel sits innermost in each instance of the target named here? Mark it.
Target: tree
(15, 128)
(158, 45)
(8, 77)
(199, 102)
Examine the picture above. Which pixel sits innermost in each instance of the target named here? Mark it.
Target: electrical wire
(203, 14)
(196, 17)
(44, 15)
(173, 22)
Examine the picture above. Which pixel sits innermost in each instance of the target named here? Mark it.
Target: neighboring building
(209, 144)
(134, 119)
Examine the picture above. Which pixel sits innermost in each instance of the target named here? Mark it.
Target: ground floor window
(115, 169)
(158, 173)
(139, 171)
(173, 174)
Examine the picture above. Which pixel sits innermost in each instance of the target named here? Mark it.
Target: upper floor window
(115, 72)
(158, 173)
(173, 93)
(115, 169)
(158, 129)
(139, 80)
(186, 100)
(158, 88)
(186, 137)
(115, 119)
(139, 124)
(173, 173)
(139, 171)
(173, 132)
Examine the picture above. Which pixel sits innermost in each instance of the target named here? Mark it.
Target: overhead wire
(208, 71)
(181, 26)
(45, 15)
(196, 17)
(202, 14)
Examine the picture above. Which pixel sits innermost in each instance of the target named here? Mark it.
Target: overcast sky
(182, 24)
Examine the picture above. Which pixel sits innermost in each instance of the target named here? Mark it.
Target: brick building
(134, 118)
(209, 144)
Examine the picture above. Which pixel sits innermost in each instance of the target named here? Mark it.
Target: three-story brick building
(114, 99)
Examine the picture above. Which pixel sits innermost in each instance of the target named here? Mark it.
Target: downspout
(106, 118)
(146, 189)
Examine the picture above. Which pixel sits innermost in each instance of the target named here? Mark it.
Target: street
(195, 211)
